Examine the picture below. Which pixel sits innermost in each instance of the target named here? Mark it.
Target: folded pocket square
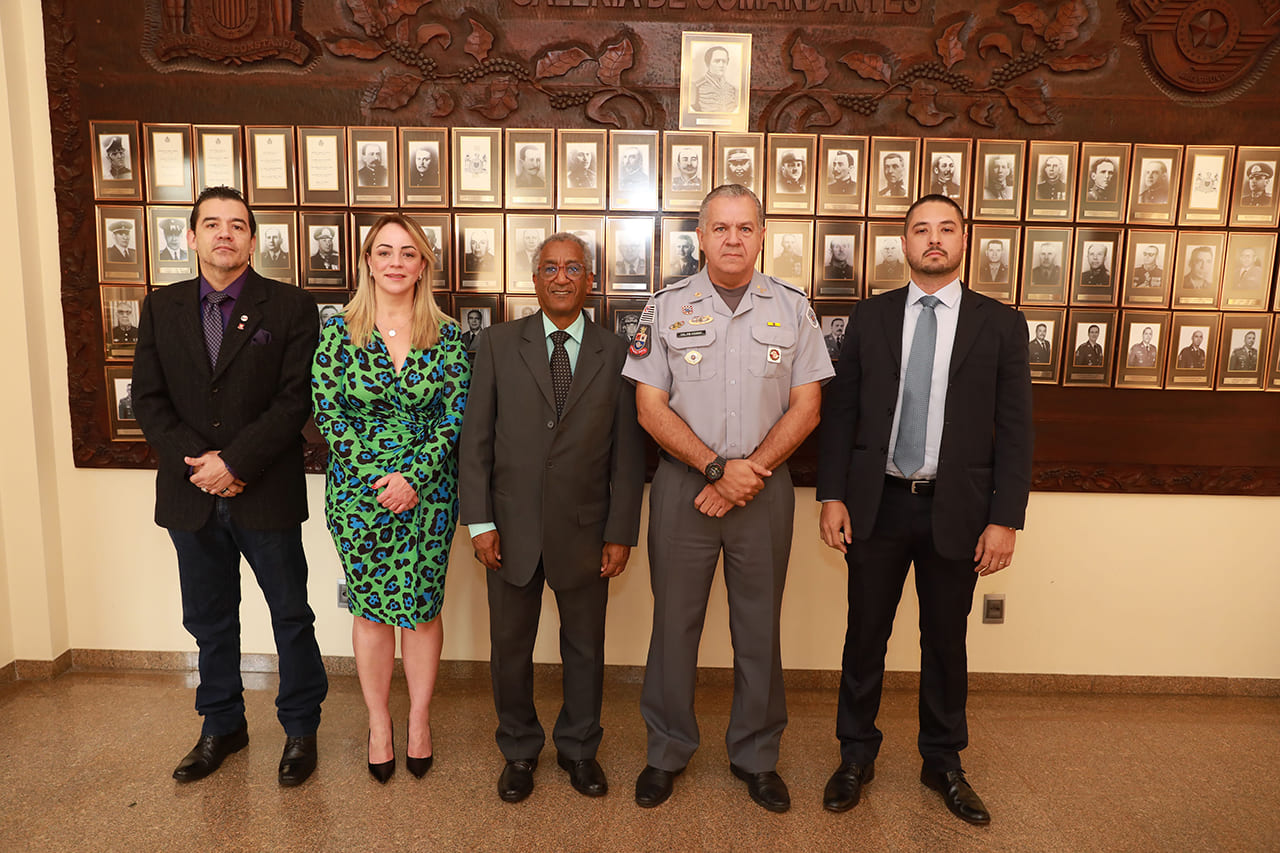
(260, 337)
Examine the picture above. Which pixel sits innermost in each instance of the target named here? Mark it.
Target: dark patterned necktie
(213, 324)
(561, 373)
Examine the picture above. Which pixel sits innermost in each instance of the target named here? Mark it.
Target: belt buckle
(920, 487)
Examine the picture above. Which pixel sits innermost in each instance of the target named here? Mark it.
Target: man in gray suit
(552, 470)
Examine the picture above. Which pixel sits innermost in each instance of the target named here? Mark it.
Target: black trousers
(877, 571)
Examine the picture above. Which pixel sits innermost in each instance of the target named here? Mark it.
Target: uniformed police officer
(728, 366)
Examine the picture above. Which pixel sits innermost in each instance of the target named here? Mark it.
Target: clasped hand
(397, 495)
(210, 474)
(742, 481)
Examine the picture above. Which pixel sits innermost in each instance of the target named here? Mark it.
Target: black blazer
(984, 464)
(252, 406)
(556, 491)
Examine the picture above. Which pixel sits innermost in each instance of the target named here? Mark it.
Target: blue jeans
(209, 573)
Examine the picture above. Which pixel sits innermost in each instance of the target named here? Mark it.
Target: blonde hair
(424, 329)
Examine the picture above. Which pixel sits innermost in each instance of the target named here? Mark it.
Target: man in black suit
(221, 388)
(426, 168)
(926, 459)
(551, 476)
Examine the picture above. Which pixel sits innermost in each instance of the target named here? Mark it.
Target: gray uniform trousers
(684, 546)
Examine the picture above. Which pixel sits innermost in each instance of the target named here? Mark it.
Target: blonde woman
(389, 384)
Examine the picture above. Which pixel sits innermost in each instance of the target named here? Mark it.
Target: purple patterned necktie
(213, 324)
(561, 373)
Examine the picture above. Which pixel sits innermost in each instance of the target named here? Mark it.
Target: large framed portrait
(438, 229)
(531, 168)
(328, 256)
(1242, 352)
(475, 313)
(272, 160)
(477, 167)
(480, 248)
(833, 320)
(170, 172)
(1206, 185)
(788, 251)
(117, 172)
(1193, 354)
(740, 159)
(590, 229)
(681, 249)
(687, 158)
(945, 170)
(628, 263)
(1051, 195)
(276, 253)
(424, 166)
(633, 169)
(1247, 271)
(1046, 265)
(1198, 272)
(1097, 265)
(886, 267)
(1254, 202)
(790, 181)
(1153, 186)
(525, 232)
(219, 151)
(715, 81)
(1148, 269)
(998, 172)
(624, 315)
(1104, 181)
(1045, 329)
(122, 244)
(374, 166)
(120, 417)
(993, 261)
(893, 174)
(842, 179)
(838, 259)
(580, 177)
(1273, 370)
(170, 258)
(1144, 345)
(1090, 342)
(121, 311)
(322, 166)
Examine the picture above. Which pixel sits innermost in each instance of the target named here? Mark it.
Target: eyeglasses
(571, 271)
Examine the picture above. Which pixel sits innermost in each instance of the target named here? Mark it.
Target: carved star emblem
(1209, 29)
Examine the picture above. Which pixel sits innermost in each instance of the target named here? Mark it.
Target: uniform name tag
(691, 334)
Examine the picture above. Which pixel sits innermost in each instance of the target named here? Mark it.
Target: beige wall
(1135, 585)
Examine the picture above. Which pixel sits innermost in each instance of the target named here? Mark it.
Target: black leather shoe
(516, 781)
(654, 785)
(208, 753)
(298, 761)
(957, 794)
(845, 786)
(767, 789)
(586, 774)
(383, 770)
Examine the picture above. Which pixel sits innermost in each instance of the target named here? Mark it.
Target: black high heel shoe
(418, 766)
(382, 772)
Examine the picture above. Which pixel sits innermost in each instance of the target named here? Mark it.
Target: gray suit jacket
(556, 490)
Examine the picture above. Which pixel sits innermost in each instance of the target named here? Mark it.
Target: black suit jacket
(556, 491)
(252, 406)
(984, 465)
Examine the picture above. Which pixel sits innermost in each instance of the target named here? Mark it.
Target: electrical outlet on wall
(342, 595)
(993, 609)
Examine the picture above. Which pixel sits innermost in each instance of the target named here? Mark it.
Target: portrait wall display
(219, 156)
(945, 170)
(1091, 346)
(373, 166)
(322, 166)
(1242, 352)
(276, 253)
(1246, 277)
(1206, 185)
(1198, 272)
(168, 255)
(1104, 182)
(170, 175)
(628, 264)
(633, 169)
(326, 248)
(833, 320)
(624, 316)
(117, 166)
(479, 247)
(424, 166)
(1045, 328)
(992, 261)
(1254, 202)
(477, 167)
(790, 182)
(475, 313)
(715, 81)
(1153, 186)
(1097, 266)
(582, 168)
(837, 270)
(1193, 342)
(1144, 348)
(893, 175)
(998, 175)
(1051, 182)
(842, 181)
(122, 422)
(788, 251)
(886, 266)
(531, 168)
(525, 233)
(438, 229)
(590, 229)
(121, 311)
(122, 244)
(687, 167)
(1148, 269)
(271, 158)
(740, 159)
(681, 251)
(1046, 265)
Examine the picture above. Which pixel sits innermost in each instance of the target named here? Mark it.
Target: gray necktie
(213, 324)
(908, 453)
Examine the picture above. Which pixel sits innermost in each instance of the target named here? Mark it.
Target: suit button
(551, 424)
(217, 424)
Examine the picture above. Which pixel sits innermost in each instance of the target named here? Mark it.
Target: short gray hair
(565, 237)
(729, 191)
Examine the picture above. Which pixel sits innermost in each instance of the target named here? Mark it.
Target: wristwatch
(714, 470)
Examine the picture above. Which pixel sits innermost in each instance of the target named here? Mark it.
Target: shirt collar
(948, 296)
(575, 328)
(232, 290)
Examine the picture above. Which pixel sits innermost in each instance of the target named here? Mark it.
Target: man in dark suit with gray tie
(926, 459)
(222, 390)
(551, 474)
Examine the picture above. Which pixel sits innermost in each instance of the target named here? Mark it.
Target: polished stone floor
(85, 762)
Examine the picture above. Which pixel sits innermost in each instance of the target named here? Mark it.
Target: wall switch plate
(993, 609)
(342, 595)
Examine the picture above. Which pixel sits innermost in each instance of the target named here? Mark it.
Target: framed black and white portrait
(740, 159)
(326, 249)
(681, 250)
(992, 261)
(1242, 352)
(687, 174)
(121, 311)
(715, 80)
(945, 169)
(629, 262)
(1090, 346)
(1104, 181)
(424, 166)
(122, 244)
(1153, 186)
(117, 172)
(633, 172)
(1097, 266)
(998, 177)
(1198, 269)
(791, 179)
(531, 168)
(1143, 349)
(1044, 343)
(1148, 269)
(842, 180)
(1193, 351)
(479, 249)
(1254, 202)
(1046, 265)
(582, 170)
(893, 175)
(837, 269)
(1051, 196)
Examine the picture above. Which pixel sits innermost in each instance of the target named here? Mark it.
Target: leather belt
(915, 487)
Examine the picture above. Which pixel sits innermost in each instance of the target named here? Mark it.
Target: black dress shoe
(654, 785)
(208, 753)
(298, 761)
(957, 794)
(383, 770)
(418, 766)
(845, 786)
(767, 789)
(586, 774)
(516, 781)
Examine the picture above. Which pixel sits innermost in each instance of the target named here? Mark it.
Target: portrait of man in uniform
(426, 165)
(1052, 185)
(1039, 348)
(124, 400)
(631, 260)
(124, 322)
(325, 255)
(171, 232)
(633, 173)
(739, 166)
(1244, 357)
(994, 268)
(1155, 182)
(833, 337)
(1098, 273)
(1257, 184)
(1200, 262)
(838, 258)
(683, 258)
(121, 250)
(529, 172)
(1143, 353)
(686, 168)
(1192, 355)
(893, 172)
(116, 163)
(998, 185)
(1248, 270)
(275, 251)
(788, 262)
(373, 169)
(714, 92)
(1089, 351)
(1149, 272)
(944, 175)
(1102, 179)
(582, 164)
(842, 168)
(791, 171)
(626, 323)
(1047, 270)
(890, 266)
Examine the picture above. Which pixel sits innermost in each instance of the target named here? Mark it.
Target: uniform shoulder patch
(640, 343)
(812, 317)
(650, 312)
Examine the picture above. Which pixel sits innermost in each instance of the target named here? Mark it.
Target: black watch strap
(714, 470)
